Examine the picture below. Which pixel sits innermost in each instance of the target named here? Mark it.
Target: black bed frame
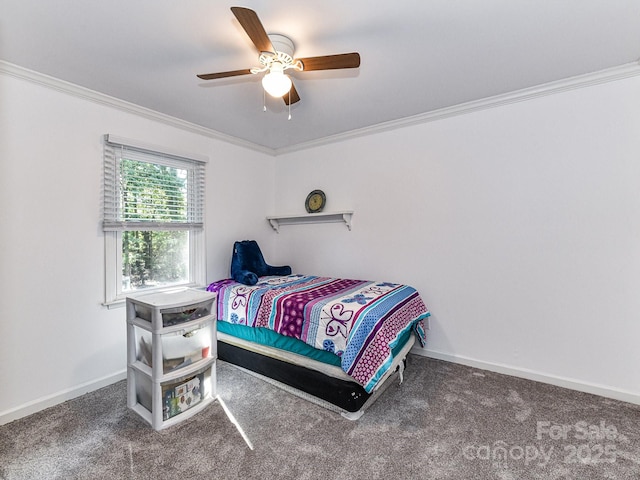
(346, 395)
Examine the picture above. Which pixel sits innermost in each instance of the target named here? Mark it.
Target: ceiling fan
(276, 57)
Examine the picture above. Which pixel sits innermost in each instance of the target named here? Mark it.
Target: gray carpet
(445, 421)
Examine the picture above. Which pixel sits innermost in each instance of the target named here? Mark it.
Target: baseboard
(571, 384)
(60, 397)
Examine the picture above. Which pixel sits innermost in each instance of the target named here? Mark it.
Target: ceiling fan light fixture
(276, 83)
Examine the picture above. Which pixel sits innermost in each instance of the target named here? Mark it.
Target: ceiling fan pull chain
(264, 101)
(289, 107)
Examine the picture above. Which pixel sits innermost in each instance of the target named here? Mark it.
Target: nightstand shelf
(277, 221)
(171, 355)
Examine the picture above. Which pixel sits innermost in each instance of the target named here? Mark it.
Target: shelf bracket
(346, 218)
(274, 224)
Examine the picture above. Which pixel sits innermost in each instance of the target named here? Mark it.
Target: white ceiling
(417, 55)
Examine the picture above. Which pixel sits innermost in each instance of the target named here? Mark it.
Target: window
(153, 219)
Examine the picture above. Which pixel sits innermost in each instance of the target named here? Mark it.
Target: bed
(337, 342)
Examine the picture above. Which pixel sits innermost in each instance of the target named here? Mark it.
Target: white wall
(518, 224)
(56, 338)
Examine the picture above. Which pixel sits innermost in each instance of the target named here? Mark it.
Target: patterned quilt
(360, 321)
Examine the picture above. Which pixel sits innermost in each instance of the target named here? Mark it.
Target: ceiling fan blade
(251, 23)
(331, 62)
(232, 73)
(291, 96)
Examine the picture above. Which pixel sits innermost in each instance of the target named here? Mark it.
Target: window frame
(114, 295)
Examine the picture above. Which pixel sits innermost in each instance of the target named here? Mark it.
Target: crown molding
(572, 83)
(103, 99)
(581, 81)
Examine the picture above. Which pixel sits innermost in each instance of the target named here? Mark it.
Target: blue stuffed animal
(247, 263)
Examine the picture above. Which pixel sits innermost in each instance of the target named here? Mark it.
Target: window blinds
(148, 190)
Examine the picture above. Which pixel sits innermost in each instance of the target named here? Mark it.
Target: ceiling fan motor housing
(282, 44)
(283, 54)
